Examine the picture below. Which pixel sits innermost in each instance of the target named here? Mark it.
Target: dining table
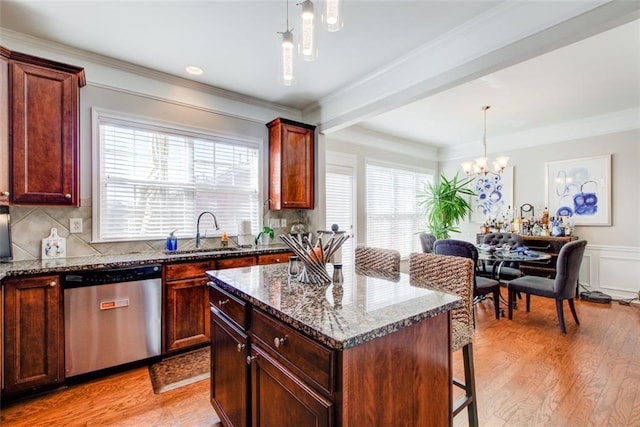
(497, 258)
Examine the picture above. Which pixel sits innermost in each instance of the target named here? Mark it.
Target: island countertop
(340, 316)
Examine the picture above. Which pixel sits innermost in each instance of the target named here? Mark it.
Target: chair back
(496, 239)
(427, 240)
(568, 268)
(452, 275)
(377, 259)
(455, 247)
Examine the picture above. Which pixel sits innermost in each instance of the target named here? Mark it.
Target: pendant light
(480, 166)
(332, 16)
(308, 40)
(286, 48)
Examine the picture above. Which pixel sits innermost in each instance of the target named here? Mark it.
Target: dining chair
(426, 241)
(482, 286)
(507, 271)
(563, 287)
(453, 275)
(377, 262)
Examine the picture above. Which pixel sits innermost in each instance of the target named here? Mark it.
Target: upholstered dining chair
(379, 262)
(508, 271)
(426, 241)
(453, 275)
(563, 287)
(482, 286)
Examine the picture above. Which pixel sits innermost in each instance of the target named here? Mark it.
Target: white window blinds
(153, 179)
(393, 212)
(340, 205)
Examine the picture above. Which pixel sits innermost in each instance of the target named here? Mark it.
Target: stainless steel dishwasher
(111, 317)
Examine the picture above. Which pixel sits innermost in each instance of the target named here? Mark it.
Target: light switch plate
(75, 225)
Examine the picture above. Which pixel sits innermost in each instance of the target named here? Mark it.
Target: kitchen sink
(205, 250)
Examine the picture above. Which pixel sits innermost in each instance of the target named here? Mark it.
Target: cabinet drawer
(274, 258)
(187, 270)
(243, 261)
(231, 306)
(305, 357)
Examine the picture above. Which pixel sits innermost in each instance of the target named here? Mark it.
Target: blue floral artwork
(493, 195)
(580, 189)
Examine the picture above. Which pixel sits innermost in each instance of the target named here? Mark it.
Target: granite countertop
(61, 265)
(339, 316)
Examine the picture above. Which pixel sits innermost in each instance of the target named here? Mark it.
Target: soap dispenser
(172, 242)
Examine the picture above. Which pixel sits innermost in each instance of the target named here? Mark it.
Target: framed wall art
(580, 189)
(494, 195)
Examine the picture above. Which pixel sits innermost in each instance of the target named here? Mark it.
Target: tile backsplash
(31, 224)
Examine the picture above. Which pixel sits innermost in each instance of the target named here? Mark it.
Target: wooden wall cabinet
(291, 165)
(43, 118)
(33, 334)
(4, 126)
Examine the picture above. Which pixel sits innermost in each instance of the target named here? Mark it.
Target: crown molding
(109, 72)
(619, 121)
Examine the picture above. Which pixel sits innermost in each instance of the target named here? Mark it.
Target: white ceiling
(418, 70)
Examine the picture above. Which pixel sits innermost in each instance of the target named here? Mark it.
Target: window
(394, 215)
(152, 179)
(340, 205)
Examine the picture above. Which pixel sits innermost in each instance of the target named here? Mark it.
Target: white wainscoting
(614, 270)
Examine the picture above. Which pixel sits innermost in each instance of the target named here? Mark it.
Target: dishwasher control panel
(111, 275)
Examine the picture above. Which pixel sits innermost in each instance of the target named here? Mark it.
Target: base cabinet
(186, 306)
(297, 381)
(230, 383)
(272, 382)
(33, 334)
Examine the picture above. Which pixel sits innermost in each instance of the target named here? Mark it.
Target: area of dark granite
(339, 316)
(62, 265)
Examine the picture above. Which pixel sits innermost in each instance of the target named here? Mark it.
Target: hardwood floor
(527, 374)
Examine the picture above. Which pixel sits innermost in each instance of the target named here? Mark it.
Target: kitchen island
(368, 351)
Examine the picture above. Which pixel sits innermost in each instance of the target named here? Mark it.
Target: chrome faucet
(215, 221)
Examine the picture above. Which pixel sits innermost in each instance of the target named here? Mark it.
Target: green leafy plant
(265, 230)
(445, 204)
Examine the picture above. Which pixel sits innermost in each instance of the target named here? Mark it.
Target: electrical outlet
(75, 225)
(283, 222)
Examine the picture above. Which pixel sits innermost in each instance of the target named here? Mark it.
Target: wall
(612, 259)
(133, 90)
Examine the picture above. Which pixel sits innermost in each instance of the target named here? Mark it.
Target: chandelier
(480, 166)
(307, 45)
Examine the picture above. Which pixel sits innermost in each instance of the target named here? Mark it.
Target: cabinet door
(187, 313)
(34, 334)
(291, 165)
(229, 372)
(4, 129)
(273, 383)
(44, 133)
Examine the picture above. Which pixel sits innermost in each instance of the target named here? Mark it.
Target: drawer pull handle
(250, 359)
(221, 302)
(52, 283)
(67, 196)
(279, 341)
(240, 347)
(5, 193)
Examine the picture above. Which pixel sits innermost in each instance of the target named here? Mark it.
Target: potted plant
(445, 204)
(266, 227)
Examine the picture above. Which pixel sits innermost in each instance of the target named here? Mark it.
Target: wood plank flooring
(527, 374)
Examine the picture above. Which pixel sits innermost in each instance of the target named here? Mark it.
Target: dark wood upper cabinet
(43, 117)
(291, 164)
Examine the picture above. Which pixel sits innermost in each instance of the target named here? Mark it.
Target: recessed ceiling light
(192, 69)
